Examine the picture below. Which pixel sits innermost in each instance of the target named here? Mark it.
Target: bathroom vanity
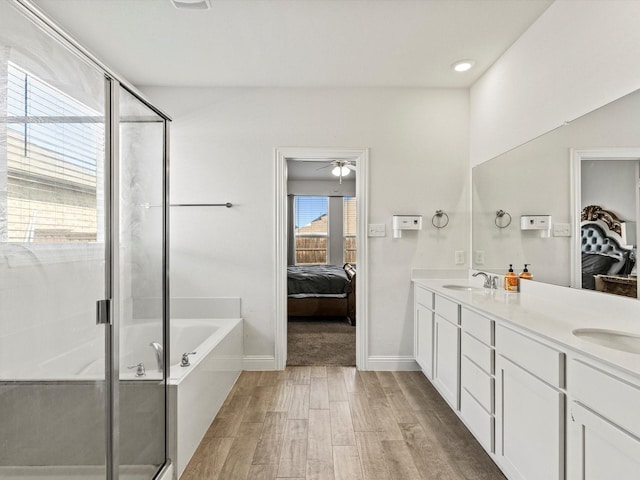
(547, 380)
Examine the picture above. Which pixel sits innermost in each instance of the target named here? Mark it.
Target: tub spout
(159, 354)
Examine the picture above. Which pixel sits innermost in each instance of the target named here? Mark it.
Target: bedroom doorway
(321, 218)
(609, 179)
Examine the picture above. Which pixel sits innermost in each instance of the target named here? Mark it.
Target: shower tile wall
(50, 424)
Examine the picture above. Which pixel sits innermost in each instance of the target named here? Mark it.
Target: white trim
(382, 363)
(258, 363)
(167, 473)
(361, 158)
(577, 156)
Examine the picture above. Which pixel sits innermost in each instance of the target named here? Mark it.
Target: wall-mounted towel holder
(437, 219)
(503, 219)
(228, 205)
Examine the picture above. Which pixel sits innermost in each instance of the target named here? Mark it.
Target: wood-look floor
(337, 423)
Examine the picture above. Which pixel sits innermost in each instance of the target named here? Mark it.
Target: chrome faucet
(490, 281)
(159, 354)
(185, 359)
(140, 372)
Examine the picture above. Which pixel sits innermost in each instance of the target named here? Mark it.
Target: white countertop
(553, 313)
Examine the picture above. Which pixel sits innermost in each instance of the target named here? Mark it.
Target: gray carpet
(320, 341)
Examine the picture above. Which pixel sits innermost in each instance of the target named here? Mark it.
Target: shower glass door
(53, 239)
(141, 260)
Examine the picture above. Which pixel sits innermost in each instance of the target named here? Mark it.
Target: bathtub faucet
(159, 354)
(185, 359)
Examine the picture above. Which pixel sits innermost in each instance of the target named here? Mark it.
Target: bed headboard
(607, 219)
(603, 233)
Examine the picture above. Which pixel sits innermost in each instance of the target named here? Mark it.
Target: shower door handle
(103, 312)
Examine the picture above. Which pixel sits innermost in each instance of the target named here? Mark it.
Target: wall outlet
(377, 230)
(459, 257)
(478, 257)
(561, 230)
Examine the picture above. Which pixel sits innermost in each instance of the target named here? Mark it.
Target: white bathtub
(197, 392)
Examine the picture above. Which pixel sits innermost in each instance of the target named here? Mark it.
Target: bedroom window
(54, 148)
(349, 229)
(311, 229)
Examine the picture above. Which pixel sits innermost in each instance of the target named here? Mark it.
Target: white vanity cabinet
(446, 346)
(542, 406)
(423, 326)
(530, 407)
(603, 424)
(477, 375)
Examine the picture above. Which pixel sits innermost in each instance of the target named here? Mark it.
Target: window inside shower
(54, 146)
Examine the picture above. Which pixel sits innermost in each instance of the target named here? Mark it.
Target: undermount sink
(624, 341)
(462, 287)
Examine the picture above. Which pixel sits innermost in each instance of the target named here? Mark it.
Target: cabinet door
(529, 424)
(446, 360)
(598, 449)
(424, 340)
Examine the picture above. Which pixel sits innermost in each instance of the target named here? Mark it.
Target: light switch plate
(377, 230)
(561, 230)
(478, 257)
(459, 257)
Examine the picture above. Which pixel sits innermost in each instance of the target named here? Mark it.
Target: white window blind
(311, 229)
(55, 153)
(349, 229)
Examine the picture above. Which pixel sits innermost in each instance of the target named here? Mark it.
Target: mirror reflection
(592, 161)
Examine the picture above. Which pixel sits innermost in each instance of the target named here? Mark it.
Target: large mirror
(592, 161)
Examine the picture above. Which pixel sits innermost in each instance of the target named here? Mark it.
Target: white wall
(578, 56)
(222, 148)
(610, 184)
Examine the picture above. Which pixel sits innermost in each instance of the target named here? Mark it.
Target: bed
(603, 246)
(322, 291)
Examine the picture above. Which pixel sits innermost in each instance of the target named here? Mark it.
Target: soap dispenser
(511, 280)
(526, 274)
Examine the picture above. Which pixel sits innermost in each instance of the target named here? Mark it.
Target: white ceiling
(296, 43)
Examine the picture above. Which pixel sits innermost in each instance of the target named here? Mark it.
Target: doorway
(610, 179)
(312, 160)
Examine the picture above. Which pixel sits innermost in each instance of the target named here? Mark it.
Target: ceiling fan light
(337, 173)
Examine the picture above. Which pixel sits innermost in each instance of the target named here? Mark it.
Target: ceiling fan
(341, 168)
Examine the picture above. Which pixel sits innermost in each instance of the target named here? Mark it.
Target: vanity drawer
(477, 351)
(478, 383)
(542, 361)
(479, 421)
(447, 309)
(477, 325)
(612, 397)
(424, 297)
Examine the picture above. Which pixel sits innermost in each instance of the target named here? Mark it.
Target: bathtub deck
(337, 423)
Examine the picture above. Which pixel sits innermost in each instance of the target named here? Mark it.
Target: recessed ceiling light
(463, 65)
(191, 4)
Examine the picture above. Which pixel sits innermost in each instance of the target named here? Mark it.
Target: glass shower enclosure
(83, 262)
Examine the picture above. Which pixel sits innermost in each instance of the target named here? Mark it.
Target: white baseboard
(258, 362)
(379, 363)
(389, 363)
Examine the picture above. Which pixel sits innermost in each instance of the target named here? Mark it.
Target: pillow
(595, 264)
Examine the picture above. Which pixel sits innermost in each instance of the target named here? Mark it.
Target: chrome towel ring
(501, 221)
(437, 219)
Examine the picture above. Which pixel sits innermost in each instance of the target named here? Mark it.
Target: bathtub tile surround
(206, 307)
(337, 422)
(212, 328)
